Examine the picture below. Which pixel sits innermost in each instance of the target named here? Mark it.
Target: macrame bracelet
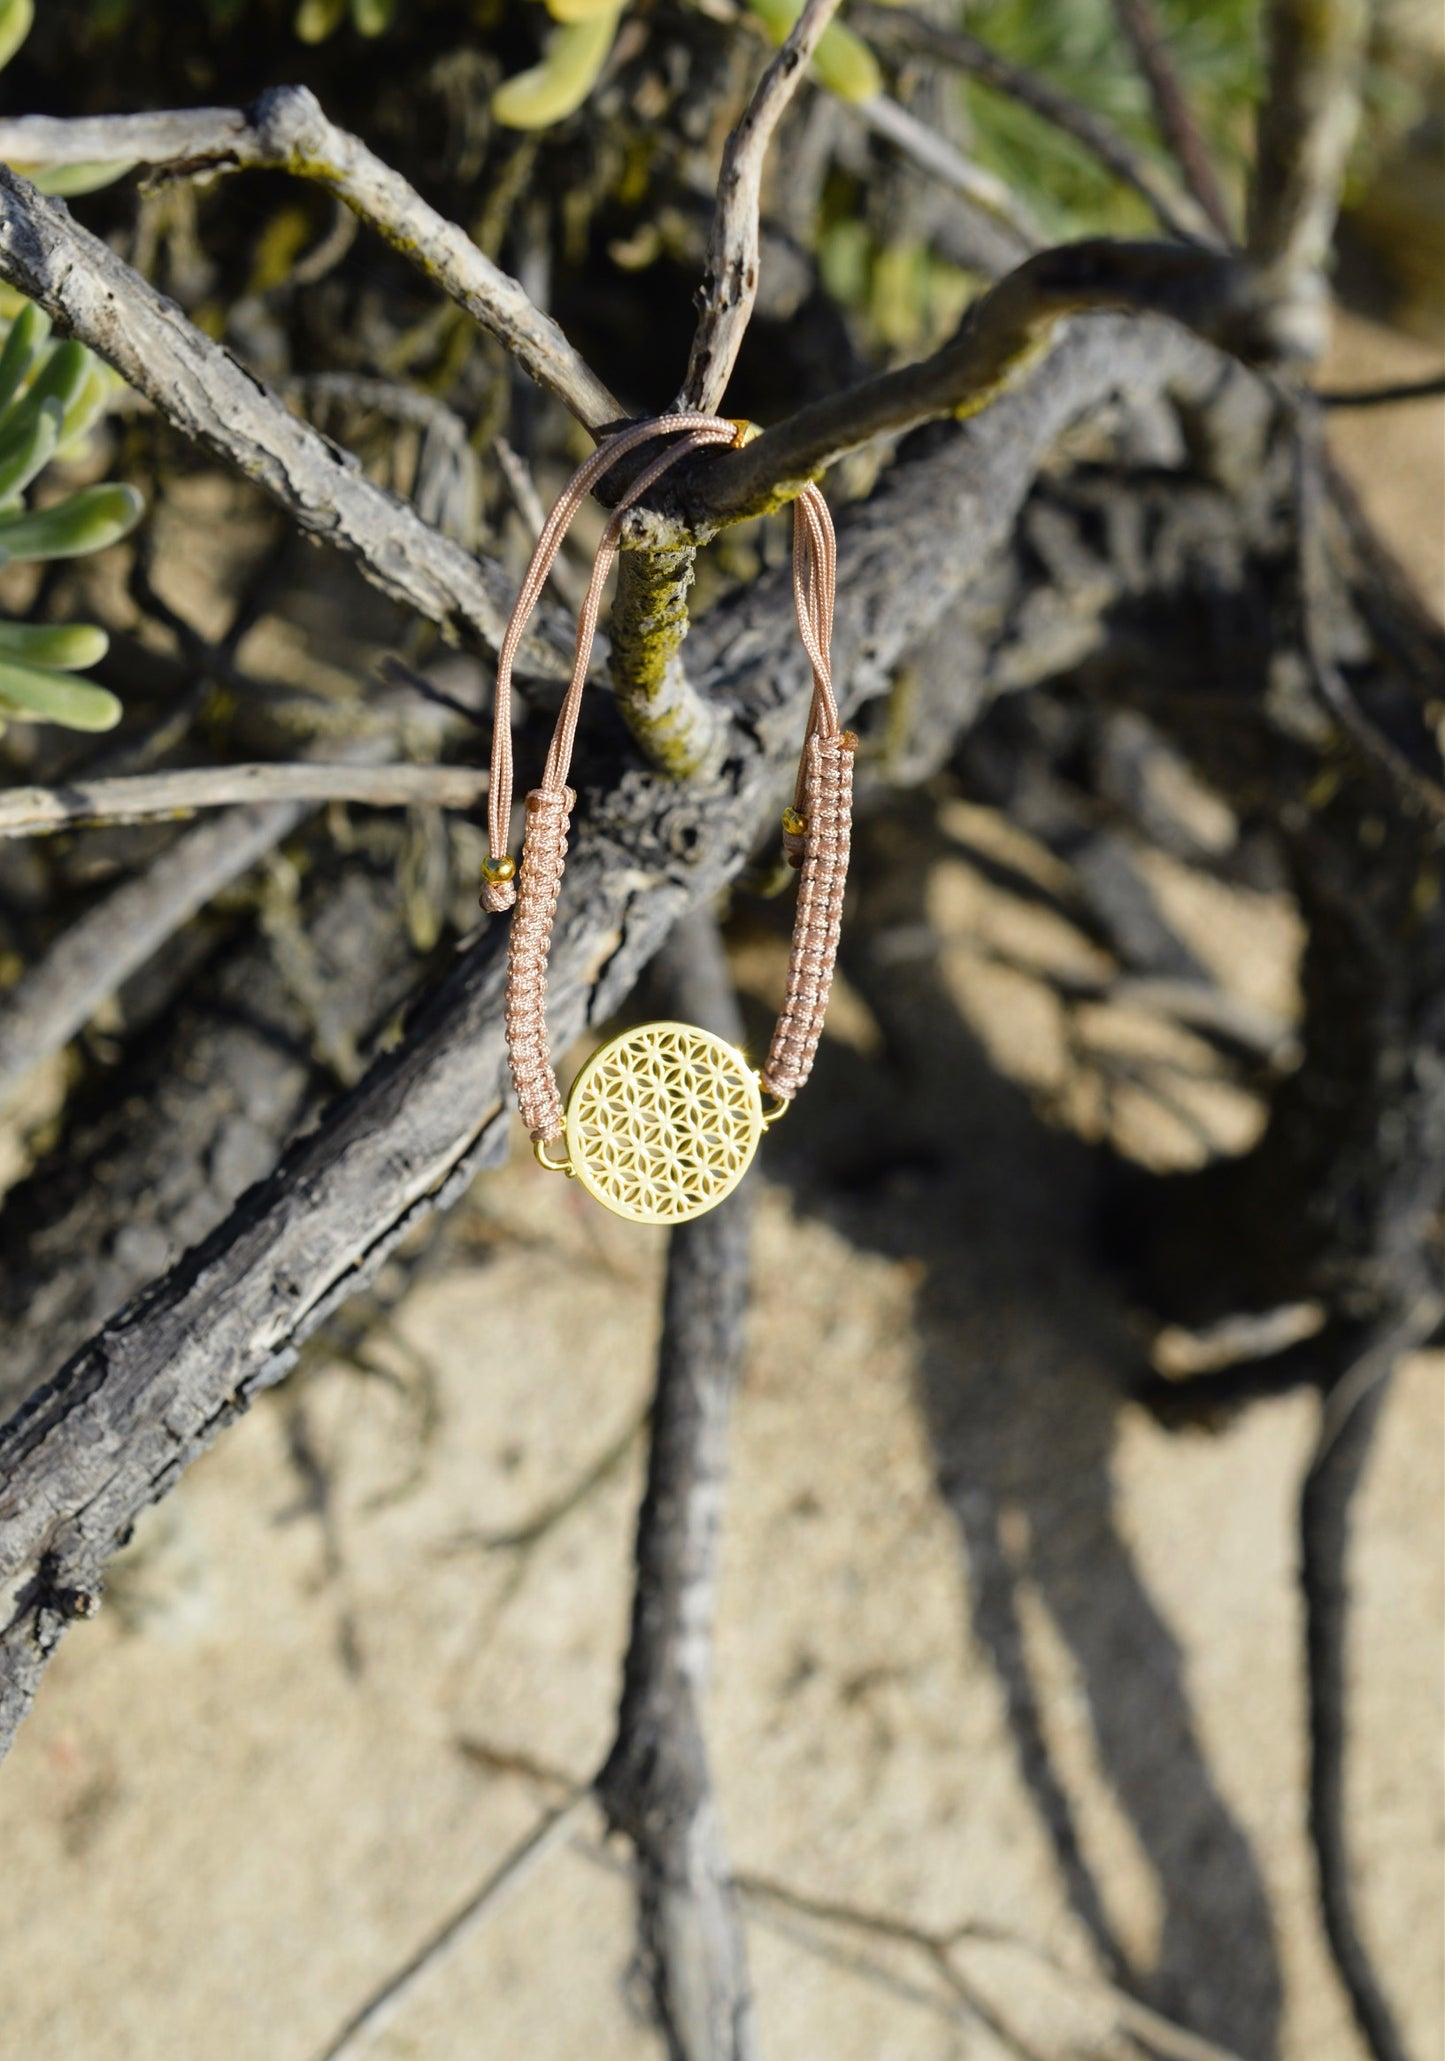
(663, 1122)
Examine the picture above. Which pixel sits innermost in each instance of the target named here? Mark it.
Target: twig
(99, 953)
(656, 1785)
(1002, 338)
(900, 29)
(944, 161)
(202, 390)
(40, 811)
(158, 1382)
(1346, 1432)
(287, 131)
(523, 1860)
(730, 277)
(1430, 389)
(1172, 110)
(940, 1946)
(1307, 122)
(1418, 790)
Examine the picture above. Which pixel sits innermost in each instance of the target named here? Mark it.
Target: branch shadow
(925, 1152)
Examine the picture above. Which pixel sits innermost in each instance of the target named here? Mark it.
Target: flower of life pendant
(663, 1122)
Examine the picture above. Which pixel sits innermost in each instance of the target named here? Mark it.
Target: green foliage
(51, 396)
(1076, 44)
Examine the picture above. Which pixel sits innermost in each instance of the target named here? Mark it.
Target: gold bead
(494, 871)
(794, 822)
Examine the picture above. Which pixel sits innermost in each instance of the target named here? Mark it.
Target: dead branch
(41, 811)
(286, 131)
(1001, 338)
(103, 948)
(209, 397)
(1415, 790)
(1307, 122)
(118, 1426)
(1408, 390)
(655, 1785)
(1348, 1421)
(551, 1832)
(730, 277)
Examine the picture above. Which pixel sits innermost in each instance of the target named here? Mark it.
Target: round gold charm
(663, 1122)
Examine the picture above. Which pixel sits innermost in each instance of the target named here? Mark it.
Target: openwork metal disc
(663, 1122)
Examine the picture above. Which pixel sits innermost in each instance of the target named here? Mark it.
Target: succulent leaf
(27, 333)
(38, 696)
(842, 61)
(16, 17)
(27, 444)
(65, 182)
(557, 87)
(87, 521)
(59, 647)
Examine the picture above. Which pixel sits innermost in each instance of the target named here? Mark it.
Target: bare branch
(511, 1872)
(40, 811)
(1172, 111)
(898, 28)
(1306, 126)
(1001, 338)
(208, 396)
(158, 1382)
(1430, 389)
(730, 280)
(100, 951)
(287, 131)
(1347, 1425)
(656, 1786)
(1416, 790)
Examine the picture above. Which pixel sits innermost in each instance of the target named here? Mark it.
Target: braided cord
(816, 830)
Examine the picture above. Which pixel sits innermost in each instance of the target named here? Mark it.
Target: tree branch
(209, 397)
(656, 1786)
(41, 811)
(1306, 125)
(286, 131)
(1348, 1420)
(730, 277)
(1001, 338)
(157, 1383)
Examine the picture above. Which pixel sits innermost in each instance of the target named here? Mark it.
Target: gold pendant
(662, 1123)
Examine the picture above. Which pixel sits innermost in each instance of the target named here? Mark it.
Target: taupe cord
(815, 830)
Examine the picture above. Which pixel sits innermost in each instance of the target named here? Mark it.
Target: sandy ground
(997, 1654)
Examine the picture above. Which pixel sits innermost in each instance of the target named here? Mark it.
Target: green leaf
(27, 444)
(41, 697)
(372, 16)
(557, 86)
(86, 522)
(62, 375)
(27, 333)
(16, 17)
(89, 404)
(842, 61)
(61, 647)
(66, 181)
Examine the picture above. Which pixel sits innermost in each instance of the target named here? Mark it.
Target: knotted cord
(815, 830)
